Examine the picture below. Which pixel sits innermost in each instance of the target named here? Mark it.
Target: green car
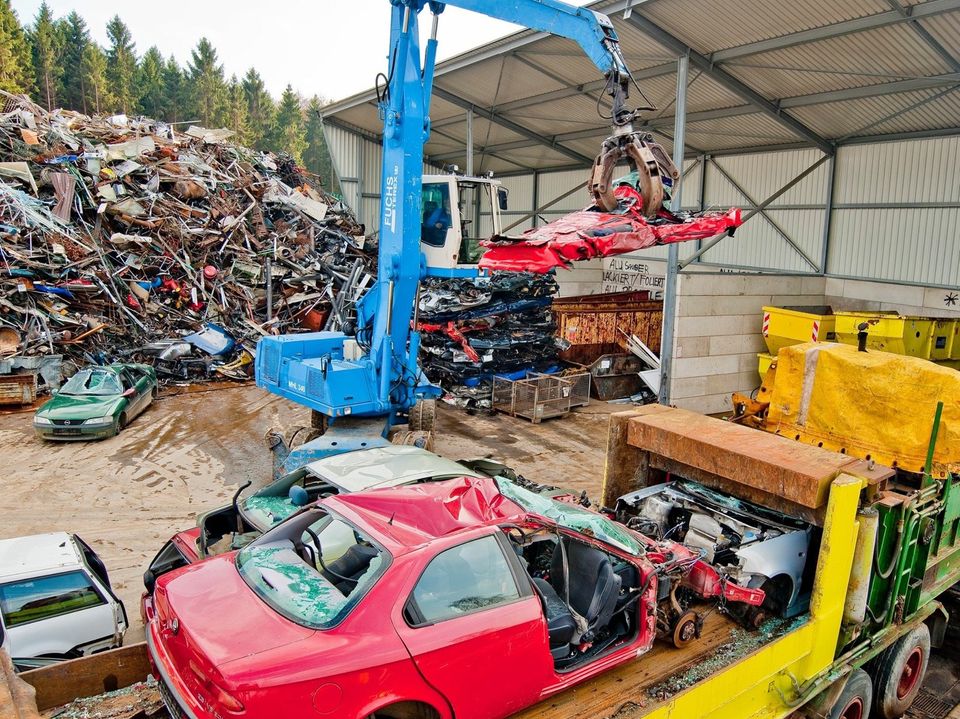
(97, 402)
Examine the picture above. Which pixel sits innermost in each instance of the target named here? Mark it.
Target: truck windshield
(436, 219)
(312, 569)
(572, 517)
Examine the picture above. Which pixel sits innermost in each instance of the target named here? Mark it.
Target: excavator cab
(457, 211)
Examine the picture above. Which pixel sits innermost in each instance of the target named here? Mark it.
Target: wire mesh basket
(536, 398)
(580, 384)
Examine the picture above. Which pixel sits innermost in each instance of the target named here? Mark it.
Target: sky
(332, 48)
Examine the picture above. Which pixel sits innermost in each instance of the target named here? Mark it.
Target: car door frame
(517, 690)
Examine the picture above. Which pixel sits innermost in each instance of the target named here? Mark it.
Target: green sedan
(97, 402)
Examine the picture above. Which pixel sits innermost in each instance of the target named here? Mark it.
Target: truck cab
(56, 601)
(450, 226)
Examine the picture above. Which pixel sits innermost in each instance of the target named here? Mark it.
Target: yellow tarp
(872, 405)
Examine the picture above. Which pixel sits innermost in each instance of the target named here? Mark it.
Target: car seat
(561, 626)
(594, 586)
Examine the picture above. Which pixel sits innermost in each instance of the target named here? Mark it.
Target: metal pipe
(673, 252)
(268, 271)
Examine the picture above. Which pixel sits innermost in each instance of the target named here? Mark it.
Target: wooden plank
(627, 685)
(16, 696)
(63, 682)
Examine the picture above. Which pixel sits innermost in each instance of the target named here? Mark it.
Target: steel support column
(673, 251)
(469, 163)
(828, 215)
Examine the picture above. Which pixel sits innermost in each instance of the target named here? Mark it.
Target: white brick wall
(905, 299)
(718, 332)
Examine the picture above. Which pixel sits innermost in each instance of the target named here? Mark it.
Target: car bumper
(74, 434)
(175, 695)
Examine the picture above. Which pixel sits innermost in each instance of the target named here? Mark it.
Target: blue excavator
(362, 383)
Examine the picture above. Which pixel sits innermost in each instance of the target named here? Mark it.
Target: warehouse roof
(762, 76)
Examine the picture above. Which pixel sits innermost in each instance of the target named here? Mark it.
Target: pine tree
(150, 83)
(175, 104)
(122, 66)
(208, 87)
(260, 109)
(16, 69)
(45, 41)
(76, 37)
(97, 95)
(237, 119)
(316, 158)
(288, 133)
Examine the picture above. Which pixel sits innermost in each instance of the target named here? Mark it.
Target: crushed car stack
(124, 239)
(473, 329)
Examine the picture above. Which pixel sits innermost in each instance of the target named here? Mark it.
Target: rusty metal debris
(122, 238)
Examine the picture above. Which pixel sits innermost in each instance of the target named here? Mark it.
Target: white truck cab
(451, 207)
(55, 600)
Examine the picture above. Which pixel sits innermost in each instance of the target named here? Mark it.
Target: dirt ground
(188, 453)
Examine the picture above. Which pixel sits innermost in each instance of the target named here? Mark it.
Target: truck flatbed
(639, 686)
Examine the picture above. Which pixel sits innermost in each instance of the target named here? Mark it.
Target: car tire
(422, 416)
(856, 699)
(898, 673)
(122, 422)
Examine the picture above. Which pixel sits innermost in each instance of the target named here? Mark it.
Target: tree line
(58, 64)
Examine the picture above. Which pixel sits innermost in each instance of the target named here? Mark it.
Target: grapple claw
(646, 157)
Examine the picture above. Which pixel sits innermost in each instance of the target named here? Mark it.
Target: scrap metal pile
(473, 329)
(124, 239)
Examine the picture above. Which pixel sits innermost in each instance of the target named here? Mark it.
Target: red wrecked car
(470, 597)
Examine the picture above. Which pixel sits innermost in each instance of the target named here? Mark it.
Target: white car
(56, 601)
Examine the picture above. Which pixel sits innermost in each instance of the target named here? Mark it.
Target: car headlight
(41, 421)
(98, 421)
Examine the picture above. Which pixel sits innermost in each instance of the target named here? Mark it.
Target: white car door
(56, 614)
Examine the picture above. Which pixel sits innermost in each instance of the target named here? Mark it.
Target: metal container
(615, 376)
(929, 338)
(580, 383)
(17, 390)
(785, 326)
(536, 398)
(596, 325)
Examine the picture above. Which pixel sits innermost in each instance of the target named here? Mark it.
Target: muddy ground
(189, 452)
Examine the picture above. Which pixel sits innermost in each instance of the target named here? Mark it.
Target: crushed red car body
(409, 597)
(592, 233)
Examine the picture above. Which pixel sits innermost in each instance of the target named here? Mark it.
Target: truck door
(55, 615)
(476, 631)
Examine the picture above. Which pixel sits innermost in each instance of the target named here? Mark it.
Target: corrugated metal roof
(537, 82)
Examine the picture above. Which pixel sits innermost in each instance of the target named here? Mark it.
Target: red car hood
(217, 617)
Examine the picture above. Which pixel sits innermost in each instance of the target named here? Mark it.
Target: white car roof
(36, 555)
(391, 466)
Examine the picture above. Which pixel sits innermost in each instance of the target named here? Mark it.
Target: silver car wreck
(752, 545)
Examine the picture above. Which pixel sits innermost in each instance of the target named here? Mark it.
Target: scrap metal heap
(473, 329)
(123, 238)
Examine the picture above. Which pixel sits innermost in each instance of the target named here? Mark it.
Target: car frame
(40, 566)
(69, 416)
(425, 620)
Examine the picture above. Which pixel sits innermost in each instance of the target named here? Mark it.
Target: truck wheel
(319, 421)
(899, 673)
(856, 698)
(423, 416)
(424, 440)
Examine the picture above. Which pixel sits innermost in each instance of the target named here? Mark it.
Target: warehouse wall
(718, 332)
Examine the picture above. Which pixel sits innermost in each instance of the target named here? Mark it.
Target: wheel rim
(853, 710)
(910, 674)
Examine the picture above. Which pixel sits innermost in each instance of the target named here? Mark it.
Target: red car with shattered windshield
(468, 597)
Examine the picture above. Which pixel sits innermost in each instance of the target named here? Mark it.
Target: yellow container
(785, 326)
(924, 337)
(766, 360)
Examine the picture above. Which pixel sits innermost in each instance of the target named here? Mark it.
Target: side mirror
(502, 194)
(129, 392)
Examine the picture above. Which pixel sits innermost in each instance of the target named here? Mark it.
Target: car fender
(428, 696)
(786, 555)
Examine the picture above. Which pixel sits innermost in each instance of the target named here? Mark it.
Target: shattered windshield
(572, 517)
(312, 569)
(92, 382)
(265, 512)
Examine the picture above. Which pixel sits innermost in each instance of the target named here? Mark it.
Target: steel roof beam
(847, 27)
(710, 69)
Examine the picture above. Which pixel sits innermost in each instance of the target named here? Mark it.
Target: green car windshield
(92, 382)
(571, 517)
(317, 585)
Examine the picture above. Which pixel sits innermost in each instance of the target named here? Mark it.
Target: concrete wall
(718, 332)
(906, 299)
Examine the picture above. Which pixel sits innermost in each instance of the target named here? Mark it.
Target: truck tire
(856, 698)
(423, 416)
(898, 673)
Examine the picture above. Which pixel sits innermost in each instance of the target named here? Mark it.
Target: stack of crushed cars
(473, 329)
(123, 239)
